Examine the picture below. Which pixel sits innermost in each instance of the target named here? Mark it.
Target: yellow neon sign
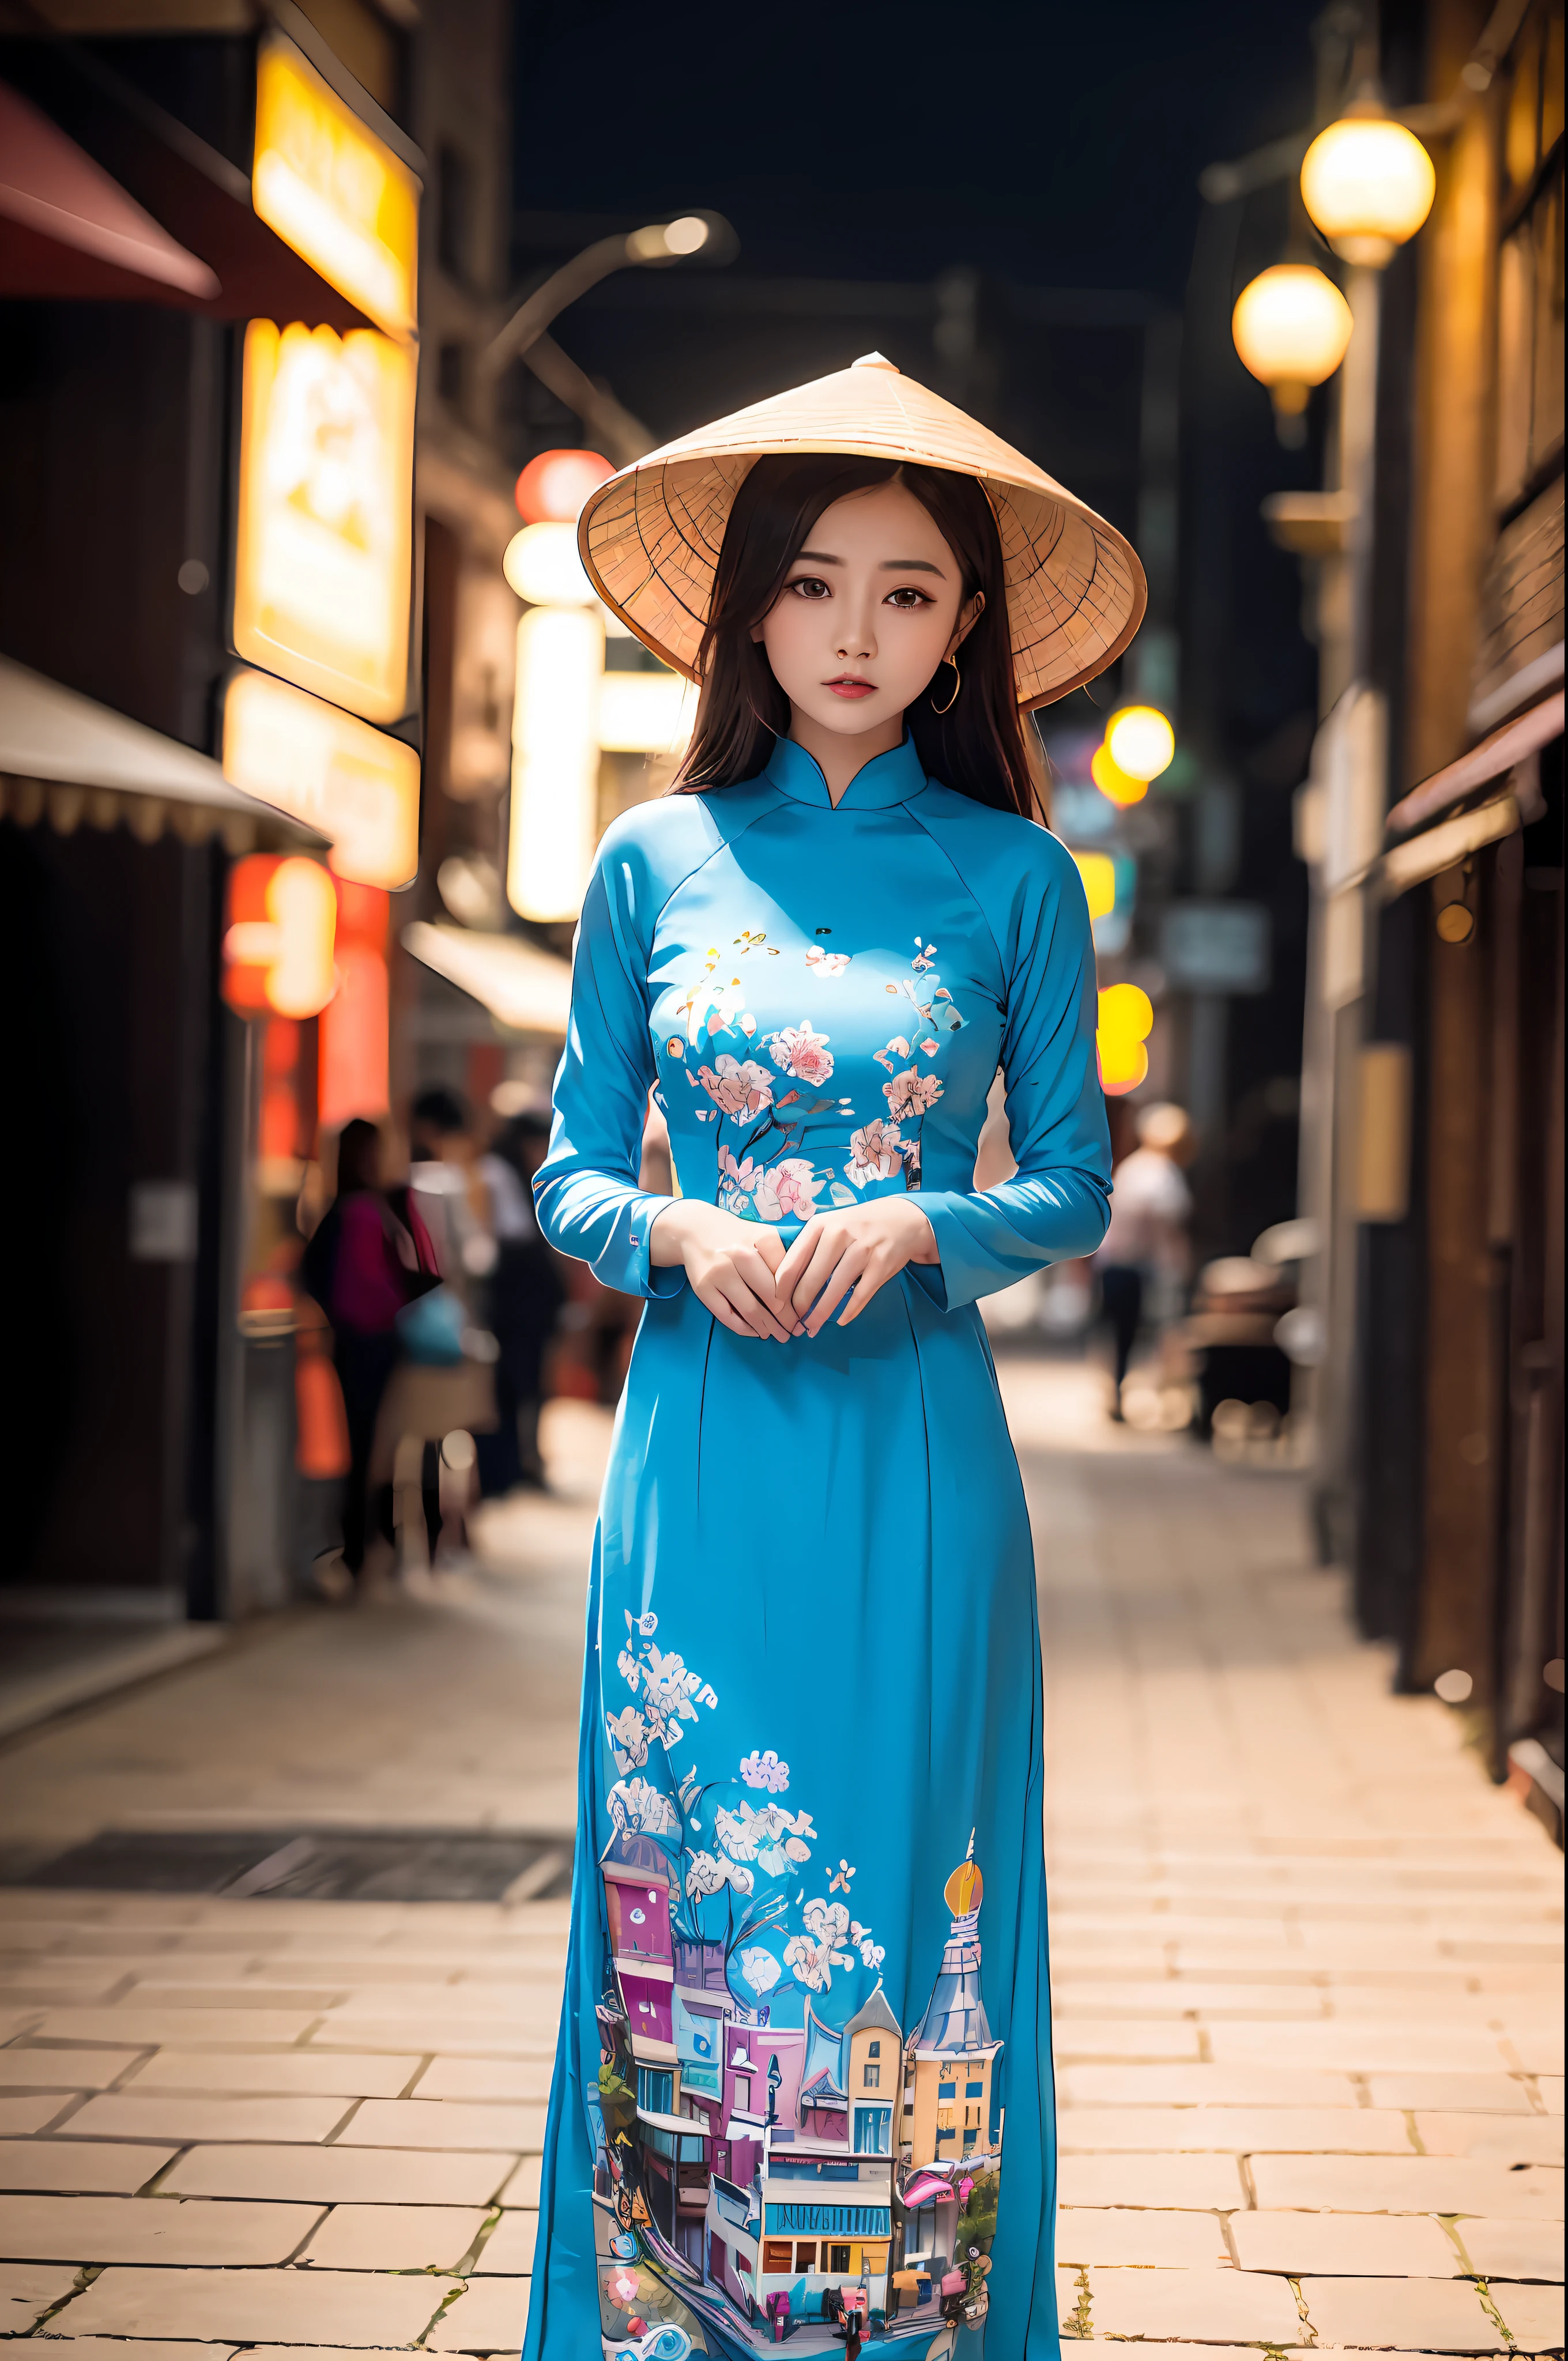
(324, 554)
(353, 784)
(333, 190)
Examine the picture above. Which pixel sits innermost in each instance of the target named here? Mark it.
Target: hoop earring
(958, 683)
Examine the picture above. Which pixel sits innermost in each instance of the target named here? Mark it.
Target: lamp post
(523, 335)
(1367, 185)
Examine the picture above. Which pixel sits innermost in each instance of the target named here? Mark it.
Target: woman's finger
(771, 1247)
(831, 1248)
(786, 1275)
(871, 1281)
(752, 1308)
(843, 1277)
(759, 1278)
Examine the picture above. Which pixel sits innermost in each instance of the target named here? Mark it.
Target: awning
(66, 758)
(67, 229)
(525, 989)
(1515, 742)
(201, 199)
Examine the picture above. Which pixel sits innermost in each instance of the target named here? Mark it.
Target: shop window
(838, 2259)
(777, 2255)
(805, 2254)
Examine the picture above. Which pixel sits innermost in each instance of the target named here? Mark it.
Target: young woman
(793, 2041)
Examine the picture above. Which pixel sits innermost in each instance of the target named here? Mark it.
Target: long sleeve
(1057, 1205)
(587, 1191)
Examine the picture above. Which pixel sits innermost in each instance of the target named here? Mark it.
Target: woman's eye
(908, 598)
(810, 585)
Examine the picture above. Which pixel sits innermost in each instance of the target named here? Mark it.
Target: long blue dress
(805, 2065)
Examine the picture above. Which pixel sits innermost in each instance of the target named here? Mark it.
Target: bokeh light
(553, 488)
(1140, 741)
(1368, 184)
(1115, 784)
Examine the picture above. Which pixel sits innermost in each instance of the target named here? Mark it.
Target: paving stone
(114, 2348)
(1406, 2184)
(26, 2292)
(510, 2246)
(444, 2124)
(204, 2028)
(485, 2078)
(435, 2034)
(66, 2165)
(1205, 2086)
(395, 2238)
(1124, 2039)
(1533, 2316)
(303, 2071)
(489, 2318)
(1550, 2089)
(180, 2115)
(1428, 2315)
(1512, 2250)
(1362, 2047)
(241, 2000)
(1477, 2094)
(1388, 2245)
(63, 2069)
(30, 2111)
(1121, 2235)
(151, 2230)
(293, 2306)
(1206, 2305)
(1496, 2139)
(1071, 2000)
(1237, 2131)
(1202, 2182)
(523, 2187)
(342, 2175)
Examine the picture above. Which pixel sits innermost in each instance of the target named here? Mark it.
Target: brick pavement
(1307, 1997)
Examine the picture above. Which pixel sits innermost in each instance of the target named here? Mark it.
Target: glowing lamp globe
(542, 564)
(1115, 784)
(1368, 184)
(1099, 874)
(1291, 327)
(553, 488)
(1141, 741)
(1123, 1065)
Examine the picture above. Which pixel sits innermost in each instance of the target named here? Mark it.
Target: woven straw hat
(649, 536)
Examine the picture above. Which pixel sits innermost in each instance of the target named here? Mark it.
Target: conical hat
(649, 536)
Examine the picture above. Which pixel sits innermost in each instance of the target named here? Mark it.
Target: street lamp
(658, 242)
(1141, 741)
(1291, 327)
(1368, 184)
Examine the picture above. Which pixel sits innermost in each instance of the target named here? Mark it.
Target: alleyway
(1308, 2020)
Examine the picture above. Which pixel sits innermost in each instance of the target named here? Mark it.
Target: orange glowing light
(965, 1890)
(351, 783)
(333, 190)
(324, 546)
(1117, 786)
(278, 949)
(553, 488)
(353, 1064)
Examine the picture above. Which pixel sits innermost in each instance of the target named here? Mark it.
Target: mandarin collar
(891, 778)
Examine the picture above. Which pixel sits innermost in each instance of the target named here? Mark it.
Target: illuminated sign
(333, 190)
(325, 543)
(556, 761)
(277, 946)
(339, 776)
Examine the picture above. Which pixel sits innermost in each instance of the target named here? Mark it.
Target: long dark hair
(981, 747)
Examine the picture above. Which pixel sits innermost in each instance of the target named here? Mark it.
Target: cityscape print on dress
(772, 2158)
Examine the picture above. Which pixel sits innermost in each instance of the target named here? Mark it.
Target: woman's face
(870, 607)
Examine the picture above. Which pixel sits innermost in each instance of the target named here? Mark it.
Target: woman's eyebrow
(911, 565)
(817, 557)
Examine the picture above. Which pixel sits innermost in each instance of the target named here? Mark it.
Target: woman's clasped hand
(756, 1287)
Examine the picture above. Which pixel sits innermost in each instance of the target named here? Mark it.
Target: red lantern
(553, 488)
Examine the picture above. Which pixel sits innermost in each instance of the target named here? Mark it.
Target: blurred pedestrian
(369, 1256)
(1147, 1242)
(524, 1295)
